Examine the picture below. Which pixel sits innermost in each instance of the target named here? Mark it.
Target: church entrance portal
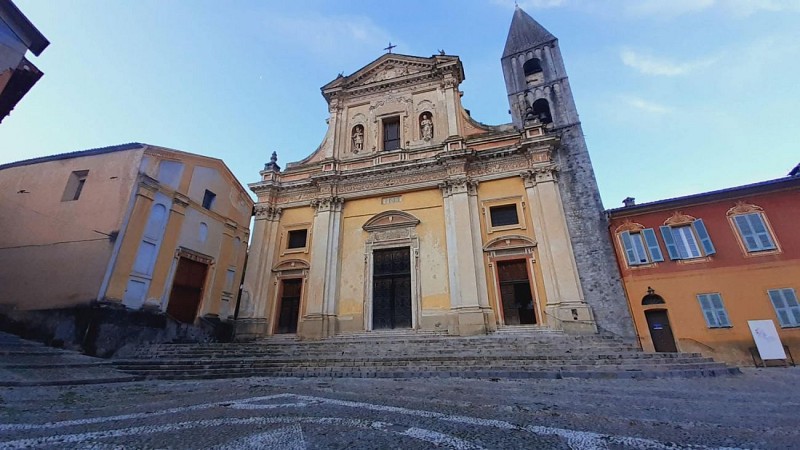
(289, 311)
(187, 290)
(515, 293)
(391, 289)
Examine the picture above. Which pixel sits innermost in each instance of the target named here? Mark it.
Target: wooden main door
(187, 290)
(391, 289)
(660, 331)
(289, 310)
(515, 293)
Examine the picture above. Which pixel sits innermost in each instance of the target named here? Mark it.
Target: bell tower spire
(536, 80)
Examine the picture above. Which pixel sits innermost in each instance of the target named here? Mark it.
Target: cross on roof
(390, 47)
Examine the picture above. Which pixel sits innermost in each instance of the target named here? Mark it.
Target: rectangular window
(75, 185)
(714, 310)
(297, 239)
(208, 199)
(504, 215)
(641, 247)
(786, 307)
(754, 232)
(682, 240)
(391, 133)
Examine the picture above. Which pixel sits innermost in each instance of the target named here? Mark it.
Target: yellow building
(411, 214)
(139, 227)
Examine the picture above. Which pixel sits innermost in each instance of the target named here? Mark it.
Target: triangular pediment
(393, 67)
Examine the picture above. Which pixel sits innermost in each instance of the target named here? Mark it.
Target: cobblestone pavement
(756, 410)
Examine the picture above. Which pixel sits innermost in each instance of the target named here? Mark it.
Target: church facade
(411, 214)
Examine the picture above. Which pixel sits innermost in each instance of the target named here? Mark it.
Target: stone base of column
(250, 329)
(572, 317)
(317, 326)
(472, 321)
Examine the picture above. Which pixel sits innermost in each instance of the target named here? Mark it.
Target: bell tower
(536, 80)
(539, 94)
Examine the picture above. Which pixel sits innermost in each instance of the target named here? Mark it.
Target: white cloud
(654, 65)
(746, 8)
(645, 105)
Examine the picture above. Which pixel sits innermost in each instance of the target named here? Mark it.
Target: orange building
(696, 269)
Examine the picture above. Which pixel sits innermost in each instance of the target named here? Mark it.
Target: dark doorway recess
(660, 331)
(187, 290)
(391, 289)
(289, 311)
(515, 293)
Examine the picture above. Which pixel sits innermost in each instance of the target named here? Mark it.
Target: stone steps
(524, 352)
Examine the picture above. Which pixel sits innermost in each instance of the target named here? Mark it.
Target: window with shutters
(752, 229)
(714, 311)
(686, 238)
(786, 306)
(640, 247)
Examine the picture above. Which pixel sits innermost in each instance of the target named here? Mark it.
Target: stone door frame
(514, 248)
(387, 230)
(289, 269)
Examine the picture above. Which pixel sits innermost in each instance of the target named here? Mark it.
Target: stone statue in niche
(358, 138)
(426, 126)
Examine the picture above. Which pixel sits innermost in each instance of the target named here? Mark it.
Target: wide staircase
(514, 352)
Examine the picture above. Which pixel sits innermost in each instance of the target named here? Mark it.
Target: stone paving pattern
(757, 409)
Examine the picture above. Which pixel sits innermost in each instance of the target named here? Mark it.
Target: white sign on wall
(767, 340)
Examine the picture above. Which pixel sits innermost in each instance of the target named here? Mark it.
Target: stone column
(449, 88)
(319, 319)
(469, 302)
(254, 304)
(565, 306)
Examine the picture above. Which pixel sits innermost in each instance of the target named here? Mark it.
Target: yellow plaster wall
(427, 206)
(50, 257)
(744, 296)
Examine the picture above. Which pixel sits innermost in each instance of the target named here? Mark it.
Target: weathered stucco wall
(54, 251)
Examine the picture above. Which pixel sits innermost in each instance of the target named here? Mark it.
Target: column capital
(458, 186)
(539, 175)
(267, 212)
(324, 204)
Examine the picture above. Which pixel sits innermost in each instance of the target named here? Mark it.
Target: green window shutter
(705, 239)
(652, 245)
(669, 241)
(628, 245)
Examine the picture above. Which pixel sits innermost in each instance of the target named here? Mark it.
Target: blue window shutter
(652, 245)
(746, 231)
(781, 308)
(705, 239)
(669, 241)
(760, 231)
(628, 245)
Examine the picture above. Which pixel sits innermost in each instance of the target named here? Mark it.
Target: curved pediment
(509, 242)
(391, 219)
(291, 264)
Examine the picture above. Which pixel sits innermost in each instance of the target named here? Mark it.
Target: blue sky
(675, 96)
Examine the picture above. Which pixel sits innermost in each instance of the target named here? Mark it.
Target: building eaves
(762, 186)
(24, 29)
(70, 155)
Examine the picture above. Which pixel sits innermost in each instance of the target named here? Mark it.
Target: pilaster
(565, 304)
(319, 319)
(469, 303)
